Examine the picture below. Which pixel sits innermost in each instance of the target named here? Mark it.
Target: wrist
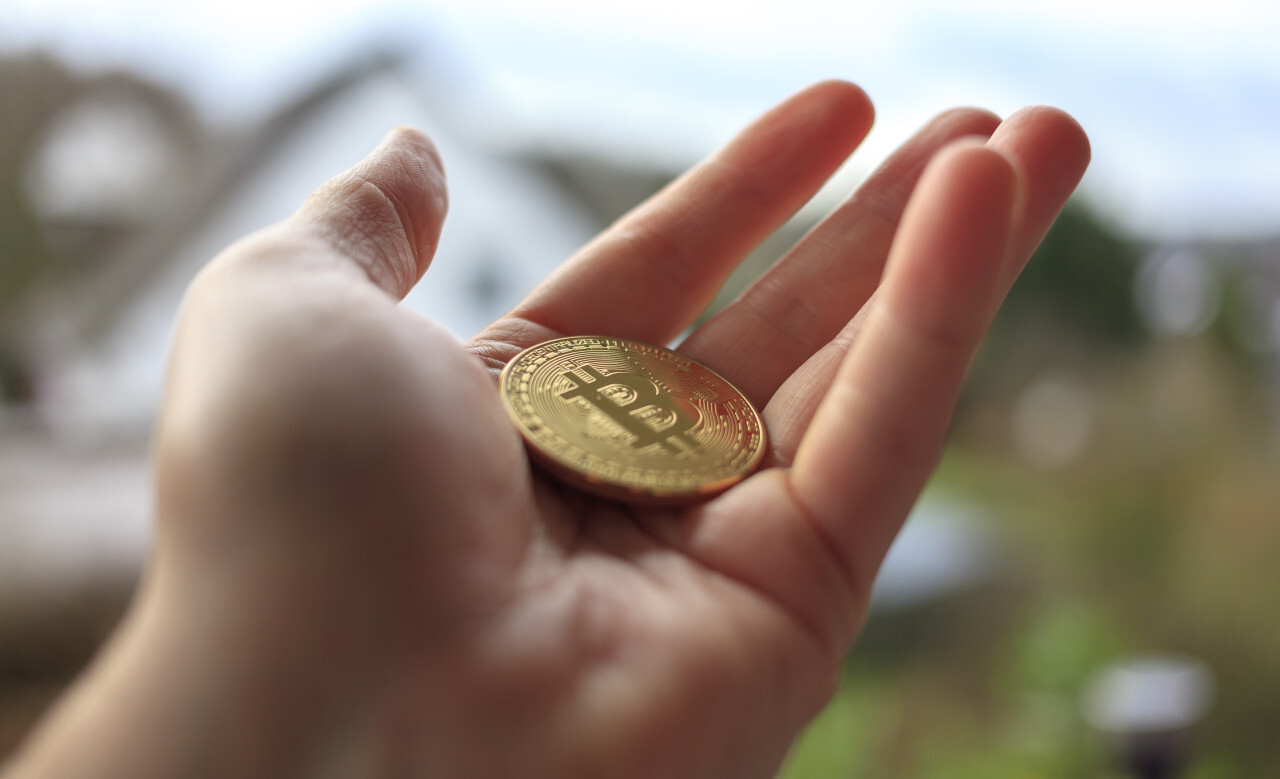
(176, 692)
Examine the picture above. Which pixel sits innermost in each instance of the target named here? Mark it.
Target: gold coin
(631, 421)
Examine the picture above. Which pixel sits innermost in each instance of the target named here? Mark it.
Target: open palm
(359, 572)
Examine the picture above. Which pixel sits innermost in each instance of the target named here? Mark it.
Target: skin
(356, 571)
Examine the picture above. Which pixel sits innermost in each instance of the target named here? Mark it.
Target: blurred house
(73, 473)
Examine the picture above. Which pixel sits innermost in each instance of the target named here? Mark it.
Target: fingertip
(385, 213)
(955, 232)
(1052, 151)
(967, 121)
(1047, 117)
(847, 95)
(413, 144)
(832, 113)
(828, 118)
(408, 166)
(987, 173)
(1048, 129)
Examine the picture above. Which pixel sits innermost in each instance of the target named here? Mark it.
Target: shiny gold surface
(631, 421)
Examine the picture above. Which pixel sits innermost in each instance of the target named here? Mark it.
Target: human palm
(358, 570)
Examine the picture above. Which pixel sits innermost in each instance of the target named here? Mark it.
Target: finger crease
(855, 583)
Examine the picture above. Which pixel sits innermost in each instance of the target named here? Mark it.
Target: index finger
(649, 275)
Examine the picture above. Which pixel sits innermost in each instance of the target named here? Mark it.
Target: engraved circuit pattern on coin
(631, 421)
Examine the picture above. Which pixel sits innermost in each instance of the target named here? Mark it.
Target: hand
(357, 572)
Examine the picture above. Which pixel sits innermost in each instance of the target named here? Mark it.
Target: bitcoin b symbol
(645, 394)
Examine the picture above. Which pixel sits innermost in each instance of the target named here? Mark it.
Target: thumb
(280, 340)
(385, 213)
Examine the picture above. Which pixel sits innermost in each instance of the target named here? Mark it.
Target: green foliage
(32, 87)
(1082, 277)
(1160, 538)
(1061, 646)
(837, 743)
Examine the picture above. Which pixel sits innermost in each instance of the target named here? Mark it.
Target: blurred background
(1089, 587)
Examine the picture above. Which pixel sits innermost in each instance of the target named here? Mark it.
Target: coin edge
(613, 489)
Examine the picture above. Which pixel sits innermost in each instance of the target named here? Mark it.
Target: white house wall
(505, 225)
(74, 499)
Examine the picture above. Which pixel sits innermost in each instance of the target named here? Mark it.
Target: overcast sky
(1182, 101)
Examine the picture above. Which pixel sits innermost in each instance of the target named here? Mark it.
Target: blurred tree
(1071, 317)
(40, 246)
(31, 89)
(1082, 278)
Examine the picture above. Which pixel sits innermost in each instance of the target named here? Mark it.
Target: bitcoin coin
(631, 421)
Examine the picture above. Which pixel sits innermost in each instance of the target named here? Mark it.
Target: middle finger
(810, 294)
